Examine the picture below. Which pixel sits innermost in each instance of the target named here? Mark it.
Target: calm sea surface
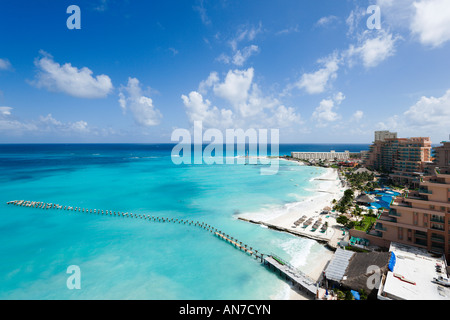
(123, 258)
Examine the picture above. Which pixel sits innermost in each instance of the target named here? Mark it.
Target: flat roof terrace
(413, 274)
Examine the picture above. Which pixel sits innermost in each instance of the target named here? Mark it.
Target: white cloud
(428, 21)
(240, 57)
(288, 30)
(71, 80)
(5, 64)
(430, 112)
(358, 115)
(284, 117)
(48, 123)
(236, 86)
(373, 50)
(431, 22)
(247, 106)
(131, 98)
(200, 8)
(208, 83)
(5, 111)
(354, 19)
(316, 82)
(325, 21)
(44, 124)
(198, 109)
(429, 116)
(245, 33)
(325, 113)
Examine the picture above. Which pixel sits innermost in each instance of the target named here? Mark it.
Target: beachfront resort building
(404, 158)
(421, 217)
(441, 158)
(331, 156)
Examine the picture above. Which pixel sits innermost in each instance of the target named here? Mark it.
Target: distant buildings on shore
(332, 155)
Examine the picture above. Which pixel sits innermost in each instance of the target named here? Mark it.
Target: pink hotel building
(421, 218)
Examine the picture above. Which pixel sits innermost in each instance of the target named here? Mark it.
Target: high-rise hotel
(404, 158)
(420, 218)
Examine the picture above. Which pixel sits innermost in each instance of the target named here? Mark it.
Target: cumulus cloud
(245, 104)
(372, 50)
(325, 112)
(431, 22)
(236, 85)
(69, 79)
(429, 116)
(198, 109)
(428, 21)
(44, 124)
(48, 123)
(430, 111)
(316, 82)
(131, 98)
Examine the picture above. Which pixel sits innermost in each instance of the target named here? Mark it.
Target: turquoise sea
(123, 258)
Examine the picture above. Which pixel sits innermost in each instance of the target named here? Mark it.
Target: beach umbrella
(355, 295)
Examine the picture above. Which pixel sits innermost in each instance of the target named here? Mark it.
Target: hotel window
(431, 207)
(400, 233)
(437, 226)
(443, 209)
(425, 220)
(416, 219)
(409, 235)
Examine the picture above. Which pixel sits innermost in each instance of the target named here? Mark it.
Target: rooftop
(413, 274)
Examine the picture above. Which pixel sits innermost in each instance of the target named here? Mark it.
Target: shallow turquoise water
(123, 258)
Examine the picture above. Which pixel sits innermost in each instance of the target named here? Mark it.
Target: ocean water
(122, 258)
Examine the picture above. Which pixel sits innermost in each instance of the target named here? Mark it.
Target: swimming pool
(385, 200)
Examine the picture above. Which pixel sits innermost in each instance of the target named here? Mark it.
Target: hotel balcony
(403, 204)
(386, 216)
(434, 183)
(438, 239)
(375, 233)
(425, 191)
(394, 213)
(421, 236)
(379, 227)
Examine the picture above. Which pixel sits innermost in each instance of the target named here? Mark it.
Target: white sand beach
(328, 187)
(283, 218)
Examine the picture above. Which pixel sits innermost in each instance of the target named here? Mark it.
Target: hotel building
(420, 218)
(404, 158)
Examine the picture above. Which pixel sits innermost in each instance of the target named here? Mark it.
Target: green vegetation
(363, 181)
(366, 223)
(345, 202)
(355, 249)
(347, 295)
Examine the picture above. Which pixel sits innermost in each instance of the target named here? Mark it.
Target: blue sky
(137, 70)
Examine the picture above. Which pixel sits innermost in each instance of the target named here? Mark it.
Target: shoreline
(326, 187)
